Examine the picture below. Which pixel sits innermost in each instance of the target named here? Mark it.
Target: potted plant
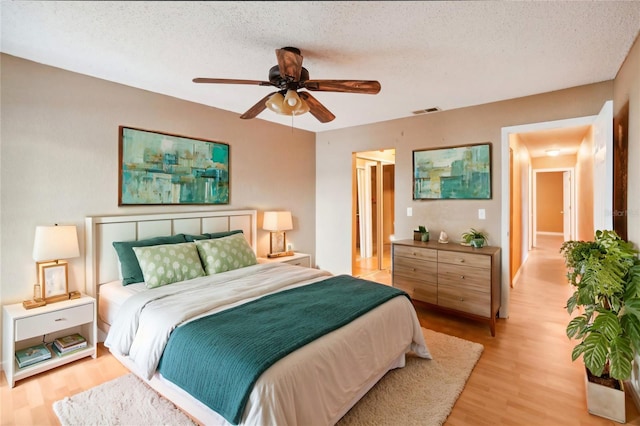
(424, 233)
(606, 276)
(474, 238)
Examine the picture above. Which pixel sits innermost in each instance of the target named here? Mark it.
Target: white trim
(555, 234)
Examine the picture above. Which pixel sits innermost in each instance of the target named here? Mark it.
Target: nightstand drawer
(38, 325)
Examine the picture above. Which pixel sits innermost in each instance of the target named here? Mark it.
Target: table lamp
(51, 244)
(277, 223)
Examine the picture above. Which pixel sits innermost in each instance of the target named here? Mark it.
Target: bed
(314, 383)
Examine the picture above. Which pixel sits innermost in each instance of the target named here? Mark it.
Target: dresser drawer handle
(60, 319)
(462, 277)
(461, 260)
(462, 299)
(413, 269)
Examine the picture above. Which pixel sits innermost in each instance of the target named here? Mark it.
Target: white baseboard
(549, 233)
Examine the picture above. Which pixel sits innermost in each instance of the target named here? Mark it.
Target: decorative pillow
(168, 263)
(191, 238)
(129, 267)
(225, 254)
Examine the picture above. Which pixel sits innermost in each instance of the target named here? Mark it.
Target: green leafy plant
(422, 229)
(473, 234)
(606, 276)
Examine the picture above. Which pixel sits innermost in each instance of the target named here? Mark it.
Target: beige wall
(59, 161)
(549, 191)
(561, 161)
(627, 89)
(584, 189)
(476, 124)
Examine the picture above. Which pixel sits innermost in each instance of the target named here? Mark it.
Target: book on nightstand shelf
(32, 355)
(66, 344)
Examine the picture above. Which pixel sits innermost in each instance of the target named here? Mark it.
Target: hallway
(525, 375)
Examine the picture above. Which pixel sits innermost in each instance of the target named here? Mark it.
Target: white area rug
(422, 393)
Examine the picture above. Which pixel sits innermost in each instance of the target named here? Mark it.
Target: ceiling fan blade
(370, 87)
(257, 108)
(316, 108)
(289, 62)
(231, 81)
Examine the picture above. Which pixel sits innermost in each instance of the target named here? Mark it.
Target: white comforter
(335, 366)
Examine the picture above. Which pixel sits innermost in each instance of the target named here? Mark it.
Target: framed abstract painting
(457, 172)
(160, 168)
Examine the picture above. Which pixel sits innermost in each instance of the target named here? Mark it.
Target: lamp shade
(277, 221)
(55, 242)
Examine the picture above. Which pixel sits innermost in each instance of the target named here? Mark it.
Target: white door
(603, 168)
(567, 208)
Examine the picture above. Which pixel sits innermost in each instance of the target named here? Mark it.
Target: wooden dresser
(450, 277)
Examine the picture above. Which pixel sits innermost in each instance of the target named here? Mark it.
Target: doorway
(373, 211)
(515, 188)
(553, 200)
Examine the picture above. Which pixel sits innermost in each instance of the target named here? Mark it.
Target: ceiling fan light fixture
(292, 98)
(276, 103)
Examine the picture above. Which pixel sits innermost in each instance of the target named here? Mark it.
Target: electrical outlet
(481, 214)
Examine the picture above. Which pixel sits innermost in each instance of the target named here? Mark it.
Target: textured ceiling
(425, 54)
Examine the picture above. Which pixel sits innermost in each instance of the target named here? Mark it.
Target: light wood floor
(524, 377)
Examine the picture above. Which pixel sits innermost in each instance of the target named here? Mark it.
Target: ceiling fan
(289, 76)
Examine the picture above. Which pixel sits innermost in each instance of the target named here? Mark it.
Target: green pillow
(168, 263)
(225, 254)
(129, 267)
(208, 236)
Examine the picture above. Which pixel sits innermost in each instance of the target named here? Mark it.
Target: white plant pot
(604, 401)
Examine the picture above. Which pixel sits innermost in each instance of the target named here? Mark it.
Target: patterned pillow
(225, 254)
(129, 267)
(169, 263)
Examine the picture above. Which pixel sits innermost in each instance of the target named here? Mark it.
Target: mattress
(112, 296)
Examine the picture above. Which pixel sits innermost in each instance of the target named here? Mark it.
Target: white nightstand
(298, 259)
(23, 328)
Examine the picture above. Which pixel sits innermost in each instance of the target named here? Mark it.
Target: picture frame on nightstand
(53, 278)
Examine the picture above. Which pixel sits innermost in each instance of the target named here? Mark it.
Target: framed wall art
(160, 168)
(458, 172)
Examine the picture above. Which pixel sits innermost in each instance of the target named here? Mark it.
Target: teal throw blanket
(218, 358)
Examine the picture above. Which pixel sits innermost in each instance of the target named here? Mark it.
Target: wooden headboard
(101, 231)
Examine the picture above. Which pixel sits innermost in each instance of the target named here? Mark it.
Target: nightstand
(298, 259)
(23, 328)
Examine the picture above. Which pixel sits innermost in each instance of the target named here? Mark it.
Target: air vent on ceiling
(426, 110)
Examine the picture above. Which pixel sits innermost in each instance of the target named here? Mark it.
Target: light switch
(481, 214)
(409, 211)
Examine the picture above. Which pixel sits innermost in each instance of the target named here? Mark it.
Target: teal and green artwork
(158, 168)
(459, 172)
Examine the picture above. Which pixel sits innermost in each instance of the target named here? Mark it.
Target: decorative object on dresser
(444, 238)
(51, 244)
(452, 278)
(277, 223)
(474, 238)
(456, 172)
(422, 234)
(23, 328)
(162, 168)
(605, 274)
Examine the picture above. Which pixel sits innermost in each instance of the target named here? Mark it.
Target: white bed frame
(102, 267)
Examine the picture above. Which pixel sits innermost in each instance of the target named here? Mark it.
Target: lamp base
(280, 254)
(36, 303)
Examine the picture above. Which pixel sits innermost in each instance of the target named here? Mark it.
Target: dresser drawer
(417, 289)
(416, 269)
(466, 277)
(37, 325)
(468, 259)
(415, 253)
(465, 300)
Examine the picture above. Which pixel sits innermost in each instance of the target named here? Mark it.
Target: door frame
(534, 204)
